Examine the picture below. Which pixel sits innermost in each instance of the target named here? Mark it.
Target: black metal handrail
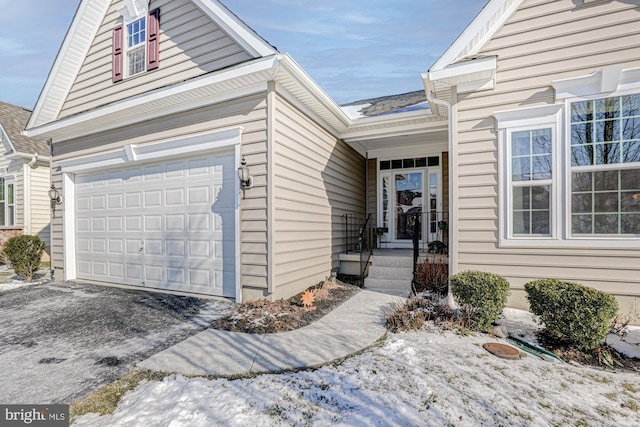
(436, 238)
(359, 238)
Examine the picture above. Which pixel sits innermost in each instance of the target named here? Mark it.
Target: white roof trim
(152, 152)
(6, 139)
(479, 32)
(66, 67)
(240, 32)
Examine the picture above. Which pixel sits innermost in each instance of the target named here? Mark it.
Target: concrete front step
(377, 283)
(392, 261)
(381, 272)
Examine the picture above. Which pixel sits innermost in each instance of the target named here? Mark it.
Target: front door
(408, 200)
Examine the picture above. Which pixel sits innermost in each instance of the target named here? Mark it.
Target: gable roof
(13, 120)
(483, 27)
(82, 32)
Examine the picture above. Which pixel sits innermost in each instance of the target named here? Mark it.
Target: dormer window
(136, 44)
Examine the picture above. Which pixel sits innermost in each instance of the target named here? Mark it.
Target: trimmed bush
(485, 294)
(24, 254)
(572, 313)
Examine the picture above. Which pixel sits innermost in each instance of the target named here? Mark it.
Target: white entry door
(168, 225)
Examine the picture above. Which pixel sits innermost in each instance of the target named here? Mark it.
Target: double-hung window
(7, 203)
(529, 170)
(605, 166)
(136, 46)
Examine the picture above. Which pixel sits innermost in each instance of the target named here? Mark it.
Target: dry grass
(105, 400)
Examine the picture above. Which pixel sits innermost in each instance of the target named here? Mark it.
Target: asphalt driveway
(59, 342)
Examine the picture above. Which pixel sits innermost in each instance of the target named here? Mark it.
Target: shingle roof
(389, 104)
(14, 119)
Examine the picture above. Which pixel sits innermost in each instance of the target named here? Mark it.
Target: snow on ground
(414, 379)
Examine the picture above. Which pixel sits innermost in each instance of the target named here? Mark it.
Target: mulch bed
(267, 317)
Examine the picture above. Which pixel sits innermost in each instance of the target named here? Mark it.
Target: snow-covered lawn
(414, 379)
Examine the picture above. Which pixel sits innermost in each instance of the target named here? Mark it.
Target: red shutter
(153, 41)
(118, 54)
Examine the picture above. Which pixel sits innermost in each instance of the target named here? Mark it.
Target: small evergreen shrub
(572, 313)
(485, 294)
(24, 254)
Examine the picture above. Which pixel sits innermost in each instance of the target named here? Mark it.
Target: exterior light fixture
(246, 180)
(54, 195)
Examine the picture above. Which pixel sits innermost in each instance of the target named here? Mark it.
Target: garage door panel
(167, 225)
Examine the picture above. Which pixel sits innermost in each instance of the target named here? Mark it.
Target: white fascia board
(410, 129)
(479, 32)
(391, 118)
(71, 55)
(247, 69)
(6, 139)
(458, 73)
(149, 152)
(19, 155)
(240, 32)
(301, 77)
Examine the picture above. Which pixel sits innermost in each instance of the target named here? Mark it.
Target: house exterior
(543, 99)
(521, 155)
(24, 179)
(151, 107)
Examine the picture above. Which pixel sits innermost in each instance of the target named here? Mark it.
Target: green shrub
(572, 313)
(24, 254)
(485, 293)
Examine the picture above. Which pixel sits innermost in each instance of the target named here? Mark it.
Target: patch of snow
(415, 378)
(355, 111)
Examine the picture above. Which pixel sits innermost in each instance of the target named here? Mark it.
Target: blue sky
(354, 49)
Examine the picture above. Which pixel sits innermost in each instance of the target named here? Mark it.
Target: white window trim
(9, 180)
(608, 82)
(621, 241)
(132, 11)
(527, 119)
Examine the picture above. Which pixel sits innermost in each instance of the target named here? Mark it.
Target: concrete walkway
(355, 325)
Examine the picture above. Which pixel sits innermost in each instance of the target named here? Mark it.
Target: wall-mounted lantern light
(246, 180)
(54, 195)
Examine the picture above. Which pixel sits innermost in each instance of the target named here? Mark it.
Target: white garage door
(168, 225)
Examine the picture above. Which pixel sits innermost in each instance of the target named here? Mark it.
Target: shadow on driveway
(59, 342)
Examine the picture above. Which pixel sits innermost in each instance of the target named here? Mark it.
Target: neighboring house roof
(13, 120)
(411, 101)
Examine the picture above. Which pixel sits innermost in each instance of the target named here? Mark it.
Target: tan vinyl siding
(317, 179)
(541, 42)
(190, 45)
(40, 202)
(251, 114)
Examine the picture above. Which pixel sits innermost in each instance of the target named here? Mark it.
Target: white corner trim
(157, 151)
(529, 116)
(606, 81)
(238, 230)
(69, 226)
(240, 32)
